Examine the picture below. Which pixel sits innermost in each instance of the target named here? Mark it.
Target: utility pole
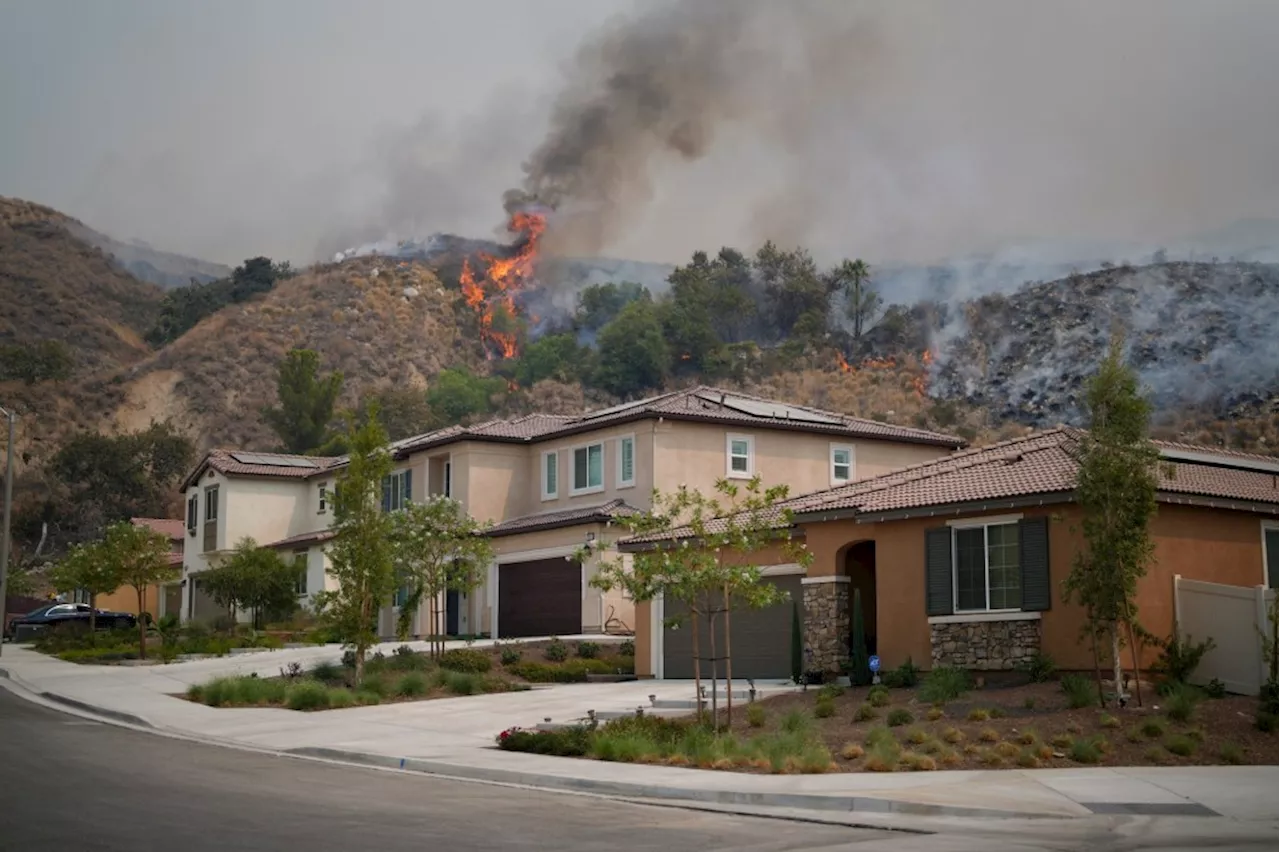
(5, 543)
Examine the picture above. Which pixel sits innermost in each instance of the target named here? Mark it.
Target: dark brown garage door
(540, 598)
(761, 638)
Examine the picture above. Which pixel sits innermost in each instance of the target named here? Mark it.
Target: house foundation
(826, 623)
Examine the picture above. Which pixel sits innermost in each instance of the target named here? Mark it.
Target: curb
(127, 718)
(626, 790)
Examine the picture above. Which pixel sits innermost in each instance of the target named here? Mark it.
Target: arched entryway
(860, 568)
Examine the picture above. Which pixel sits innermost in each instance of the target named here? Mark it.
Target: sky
(914, 130)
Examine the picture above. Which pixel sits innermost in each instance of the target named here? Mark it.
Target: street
(66, 782)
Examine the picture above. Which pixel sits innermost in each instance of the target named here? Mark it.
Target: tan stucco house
(961, 560)
(160, 599)
(548, 485)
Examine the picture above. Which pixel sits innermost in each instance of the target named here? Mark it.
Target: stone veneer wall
(985, 645)
(826, 624)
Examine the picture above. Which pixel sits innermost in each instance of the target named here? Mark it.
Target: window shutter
(1272, 544)
(1033, 557)
(937, 571)
(408, 485)
(386, 494)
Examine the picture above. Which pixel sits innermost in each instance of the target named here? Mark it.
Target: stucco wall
(125, 599)
(636, 494)
(1202, 544)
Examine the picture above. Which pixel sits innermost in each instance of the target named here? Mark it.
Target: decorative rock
(985, 645)
(826, 625)
(410, 292)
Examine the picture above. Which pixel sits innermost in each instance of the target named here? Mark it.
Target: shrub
(1180, 745)
(1152, 728)
(1044, 752)
(366, 698)
(997, 712)
(952, 735)
(1029, 703)
(852, 751)
(934, 714)
(864, 713)
(341, 697)
(943, 684)
(1084, 750)
(1179, 658)
(1133, 734)
(565, 742)
(1080, 691)
(573, 671)
(511, 655)
(919, 762)
(824, 707)
(755, 714)
(950, 757)
(879, 735)
(1106, 720)
(307, 695)
(556, 651)
(904, 676)
(466, 660)
(327, 672)
(1154, 754)
(258, 691)
(882, 756)
(411, 685)
(878, 696)
(1265, 722)
(1232, 754)
(1028, 759)
(375, 685)
(916, 736)
(1039, 667)
(1006, 750)
(989, 757)
(461, 683)
(1027, 737)
(588, 650)
(979, 714)
(899, 716)
(796, 722)
(627, 648)
(1061, 741)
(988, 735)
(830, 690)
(1180, 702)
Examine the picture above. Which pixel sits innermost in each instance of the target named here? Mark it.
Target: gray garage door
(540, 598)
(761, 638)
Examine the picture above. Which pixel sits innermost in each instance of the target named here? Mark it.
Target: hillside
(167, 269)
(54, 286)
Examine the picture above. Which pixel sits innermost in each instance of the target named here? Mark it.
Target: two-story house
(549, 485)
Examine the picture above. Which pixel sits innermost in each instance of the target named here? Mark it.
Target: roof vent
(1013, 458)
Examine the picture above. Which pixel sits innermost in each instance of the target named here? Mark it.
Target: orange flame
(501, 279)
(919, 383)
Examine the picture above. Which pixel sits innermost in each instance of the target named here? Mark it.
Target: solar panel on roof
(773, 410)
(272, 460)
(1216, 460)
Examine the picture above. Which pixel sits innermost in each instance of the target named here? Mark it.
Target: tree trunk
(697, 663)
(1137, 671)
(1117, 667)
(142, 624)
(715, 671)
(1097, 668)
(93, 619)
(728, 662)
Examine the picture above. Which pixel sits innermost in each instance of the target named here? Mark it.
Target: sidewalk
(454, 737)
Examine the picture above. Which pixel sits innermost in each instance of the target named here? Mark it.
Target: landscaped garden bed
(939, 722)
(407, 675)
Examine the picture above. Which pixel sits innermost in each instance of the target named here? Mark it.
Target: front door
(452, 609)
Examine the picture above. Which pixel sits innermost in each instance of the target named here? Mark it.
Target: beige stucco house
(548, 485)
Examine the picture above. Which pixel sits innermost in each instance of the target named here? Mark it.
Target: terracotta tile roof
(171, 527)
(303, 539)
(1039, 464)
(598, 513)
(233, 463)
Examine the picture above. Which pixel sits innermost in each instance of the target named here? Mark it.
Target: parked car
(53, 614)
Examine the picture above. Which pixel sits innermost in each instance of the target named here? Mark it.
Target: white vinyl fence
(1235, 617)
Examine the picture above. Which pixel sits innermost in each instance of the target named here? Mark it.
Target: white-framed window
(985, 566)
(1270, 552)
(322, 492)
(193, 513)
(300, 561)
(841, 464)
(626, 461)
(588, 469)
(211, 504)
(397, 490)
(740, 452)
(550, 475)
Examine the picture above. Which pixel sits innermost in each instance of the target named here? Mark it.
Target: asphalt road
(70, 783)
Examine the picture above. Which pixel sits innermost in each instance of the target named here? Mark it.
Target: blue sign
(874, 664)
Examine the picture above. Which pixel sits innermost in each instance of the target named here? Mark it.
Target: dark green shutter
(937, 571)
(1033, 556)
(408, 485)
(1272, 545)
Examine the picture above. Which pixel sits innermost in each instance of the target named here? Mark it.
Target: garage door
(761, 638)
(540, 598)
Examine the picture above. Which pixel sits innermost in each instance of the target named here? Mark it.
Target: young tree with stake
(85, 568)
(361, 555)
(706, 561)
(139, 557)
(438, 548)
(1116, 490)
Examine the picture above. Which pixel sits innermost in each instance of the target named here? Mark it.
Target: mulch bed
(1040, 709)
